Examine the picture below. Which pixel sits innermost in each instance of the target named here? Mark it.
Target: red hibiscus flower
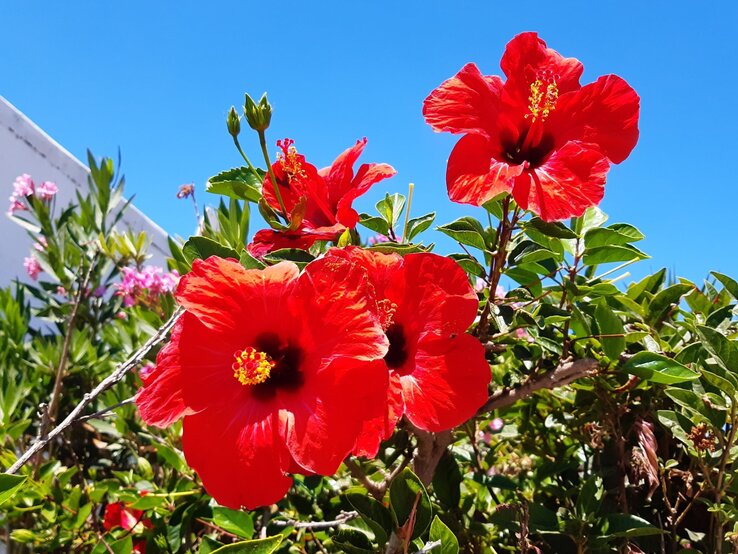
(117, 514)
(318, 201)
(272, 371)
(539, 134)
(438, 373)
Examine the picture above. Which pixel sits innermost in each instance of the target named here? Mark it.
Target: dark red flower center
(533, 145)
(397, 353)
(271, 364)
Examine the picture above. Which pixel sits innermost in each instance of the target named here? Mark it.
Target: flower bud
(258, 115)
(233, 122)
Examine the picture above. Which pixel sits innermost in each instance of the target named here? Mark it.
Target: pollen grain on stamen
(544, 92)
(386, 310)
(288, 158)
(252, 367)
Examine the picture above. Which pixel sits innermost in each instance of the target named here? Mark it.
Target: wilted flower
(185, 191)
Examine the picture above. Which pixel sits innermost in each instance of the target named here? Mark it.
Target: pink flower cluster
(32, 267)
(23, 186)
(146, 285)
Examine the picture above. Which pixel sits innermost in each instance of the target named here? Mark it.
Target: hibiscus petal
(604, 113)
(376, 429)
(465, 103)
(448, 385)
(160, 401)
(230, 299)
(333, 299)
(269, 240)
(571, 180)
(324, 421)
(339, 175)
(526, 55)
(239, 458)
(473, 176)
(368, 175)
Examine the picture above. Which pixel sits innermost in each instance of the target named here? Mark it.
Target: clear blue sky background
(157, 78)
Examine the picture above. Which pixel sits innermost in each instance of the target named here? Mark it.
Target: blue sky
(157, 78)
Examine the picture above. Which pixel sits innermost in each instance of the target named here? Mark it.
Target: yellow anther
(252, 366)
(544, 92)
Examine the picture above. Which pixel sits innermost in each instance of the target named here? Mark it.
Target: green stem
(248, 163)
(262, 142)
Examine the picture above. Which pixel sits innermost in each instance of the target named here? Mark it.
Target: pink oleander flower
(16, 206)
(377, 239)
(145, 286)
(61, 291)
(47, 190)
(521, 333)
(32, 267)
(23, 186)
(41, 244)
(497, 424)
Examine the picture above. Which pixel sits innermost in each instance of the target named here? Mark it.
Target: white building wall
(25, 148)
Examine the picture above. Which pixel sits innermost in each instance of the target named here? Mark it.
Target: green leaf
(556, 229)
(9, 485)
(730, 284)
(390, 208)
(372, 511)
(402, 249)
(610, 254)
(239, 183)
(419, 224)
(593, 217)
(609, 323)
(404, 491)
(234, 521)
(678, 424)
(376, 224)
(656, 368)
(258, 546)
(620, 234)
(663, 301)
(723, 350)
(352, 541)
(590, 496)
(447, 481)
(440, 532)
(300, 257)
(628, 525)
(203, 247)
(467, 231)
(249, 262)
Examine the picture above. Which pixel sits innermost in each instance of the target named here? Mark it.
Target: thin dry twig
(342, 518)
(104, 385)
